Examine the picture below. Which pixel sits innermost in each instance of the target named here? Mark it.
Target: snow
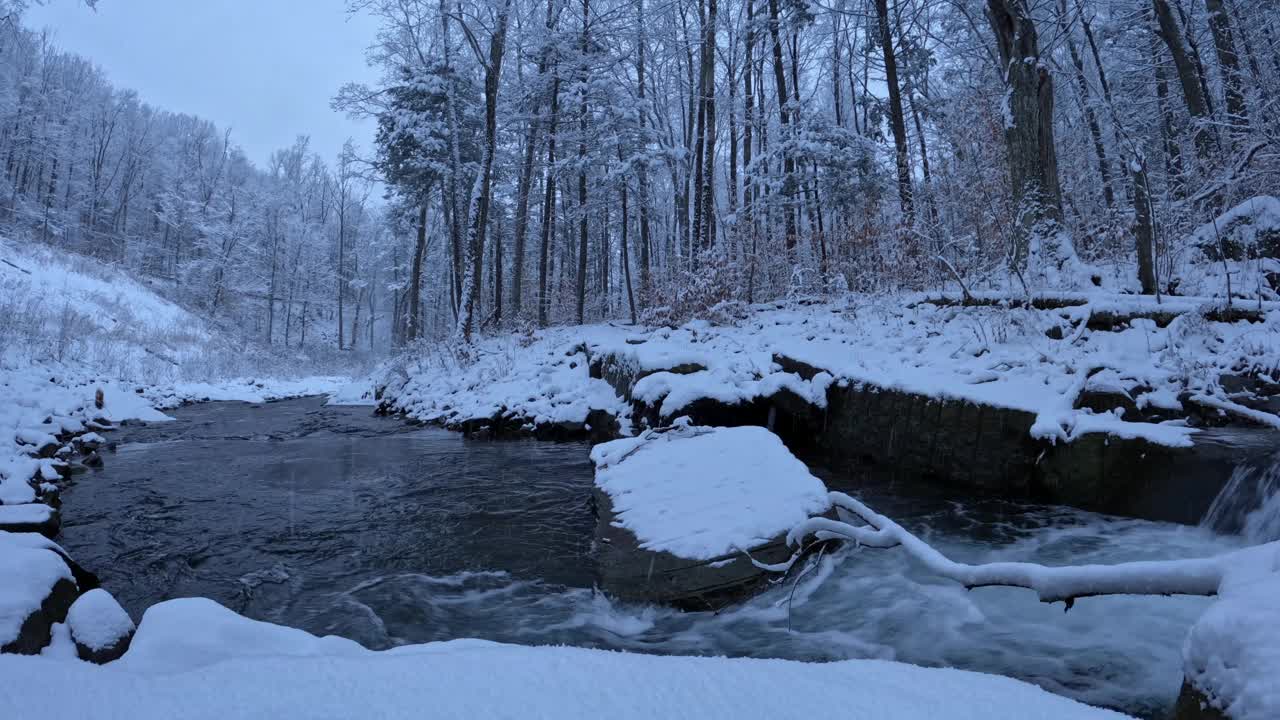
(541, 379)
(30, 514)
(702, 493)
(193, 633)
(1232, 653)
(173, 670)
(1244, 227)
(97, 621)
(29, 572)
(995, 356)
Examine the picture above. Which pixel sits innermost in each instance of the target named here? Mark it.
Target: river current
(337, 522)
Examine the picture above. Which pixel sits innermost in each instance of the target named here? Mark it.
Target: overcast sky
(265, 68)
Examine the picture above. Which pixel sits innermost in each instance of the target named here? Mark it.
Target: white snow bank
(1037, 361)
(543, 379)
(1233, 651)
(191, 633)
(702, 493)
(1244, 232)
(97, 621)
(300, 675)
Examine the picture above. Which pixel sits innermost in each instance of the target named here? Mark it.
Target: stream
(337, 522)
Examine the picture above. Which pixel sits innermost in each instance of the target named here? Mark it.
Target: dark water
(269, 509)
(337, 522)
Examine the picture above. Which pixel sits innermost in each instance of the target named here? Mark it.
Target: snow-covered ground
(195, 659)
(1034, 360)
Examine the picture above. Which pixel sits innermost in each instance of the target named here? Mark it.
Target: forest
(898, 359)
(570, 162)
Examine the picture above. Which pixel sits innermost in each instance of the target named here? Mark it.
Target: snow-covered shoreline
(991, 396)
(1038, 361)
(195, 659)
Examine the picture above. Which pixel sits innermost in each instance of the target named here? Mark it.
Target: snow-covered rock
(30, 517)
(702, 493)
(100, 628)
(682, 513)
(36, 589)
(1232, 654)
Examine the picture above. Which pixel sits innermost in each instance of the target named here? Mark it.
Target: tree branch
(1051, 584)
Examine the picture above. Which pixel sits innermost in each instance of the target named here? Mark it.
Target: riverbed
(338, 522)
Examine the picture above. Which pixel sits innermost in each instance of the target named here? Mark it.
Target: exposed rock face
(629, 572)
(100, 628)
(1193, 705)
(34, 633)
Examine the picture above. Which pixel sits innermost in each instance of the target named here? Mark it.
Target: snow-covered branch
(1051, 584)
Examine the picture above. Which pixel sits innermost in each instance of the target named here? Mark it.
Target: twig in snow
(15, 267)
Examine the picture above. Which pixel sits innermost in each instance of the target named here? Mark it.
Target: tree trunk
(582, 169)
(548, 205)
(455, 169)
(415, 280)
(1168, 122)
(707, 190)
(1033, 160)
(479, 213)
(1090, 117)
(526, 178)
(643, 166)
(1229, 63)
(1187, 76)
(788, 165)
(626, 254)
(1144, 230)
(897, 119)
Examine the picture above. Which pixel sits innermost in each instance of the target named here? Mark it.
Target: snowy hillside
(84, 346)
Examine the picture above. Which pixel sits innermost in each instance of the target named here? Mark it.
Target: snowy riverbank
(1162, 362)
(195, 659)
(84, 347)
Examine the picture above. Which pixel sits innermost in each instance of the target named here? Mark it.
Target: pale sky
(265, 68)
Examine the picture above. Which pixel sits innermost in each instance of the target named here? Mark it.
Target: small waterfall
(1249, 504)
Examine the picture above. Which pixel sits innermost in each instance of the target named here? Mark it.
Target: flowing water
(337, 522)
(1249, 504)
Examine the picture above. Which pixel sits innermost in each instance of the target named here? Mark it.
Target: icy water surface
(337, 522)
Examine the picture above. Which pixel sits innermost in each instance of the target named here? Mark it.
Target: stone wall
(966, 445)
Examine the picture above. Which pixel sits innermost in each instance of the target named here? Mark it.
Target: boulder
(37, 591)
(31, 517)
(100, 628)
(679, 511)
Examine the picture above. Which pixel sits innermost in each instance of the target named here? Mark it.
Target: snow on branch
(1051, 584)
(1258, 416)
